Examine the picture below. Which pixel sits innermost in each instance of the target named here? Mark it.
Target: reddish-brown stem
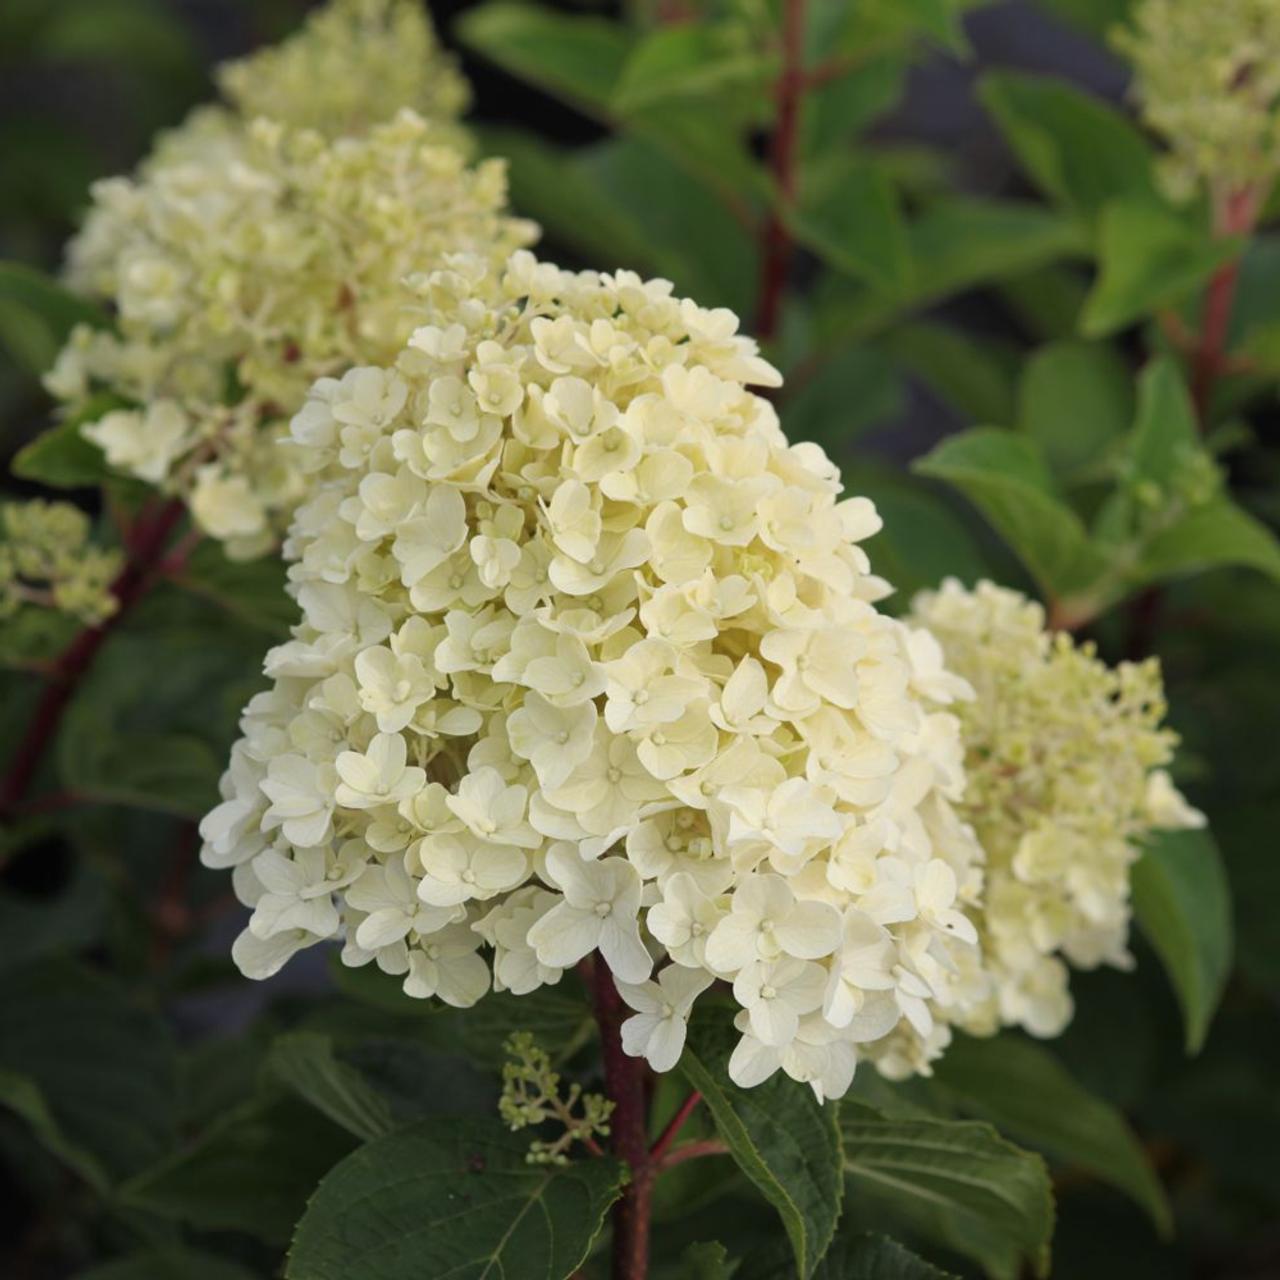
(776, 239)
(668, 1135)
(624, 1083)
(691, 1151)
(1234, 215)
(145, 548)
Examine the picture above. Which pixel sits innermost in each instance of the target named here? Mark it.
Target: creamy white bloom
(589, 663)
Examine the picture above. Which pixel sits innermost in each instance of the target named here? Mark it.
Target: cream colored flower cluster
(248, 259)
(354, 63)
(1208, 81)
(589, 659)
(1064, 757)
(46, 559)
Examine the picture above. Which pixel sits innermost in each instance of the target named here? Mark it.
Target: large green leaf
(854, 1255)
(1149, 258)
(1214, 535)
(1183, 903)
(1022, 1089)
(779, 1135)
(957, 1182)
(91, 1069)
(252, 591)
(251, 1170)
(305, 1062)
(1006, 477)
(1075, 400)
(852, 219)
(37, 314)
(454, 1198)
(1078, 150)
(575, 57)
(1165, 432)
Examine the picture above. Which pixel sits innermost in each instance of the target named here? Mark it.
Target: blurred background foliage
(981, 243)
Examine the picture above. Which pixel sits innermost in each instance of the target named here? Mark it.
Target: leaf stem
(668, 1135)
(776, 239)
(145, 548)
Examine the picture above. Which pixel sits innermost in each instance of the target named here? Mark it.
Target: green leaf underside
(1182, 902)
(785, 1142)
(1005, 476)
(1023, 1090)
(957, 1182)
(453, 1200)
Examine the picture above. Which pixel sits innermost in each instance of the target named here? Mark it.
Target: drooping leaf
(101, 1069)
(1182, 901)
(1075, 399)
(1006, 477)
(252, 1170)
(575, 57)
(785, 1142)
(1079, 150)
(1022, 1089)
(957, 1182)
(452, 1198)
(1149, 258)
(305, 1062)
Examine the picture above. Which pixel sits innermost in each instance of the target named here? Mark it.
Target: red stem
(692, 1151)
(1235, 214)
(668, 1135)
(624, 1083)
(146, 545)
(776, 245)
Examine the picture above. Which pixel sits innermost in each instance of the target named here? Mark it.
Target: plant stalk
(145, 549)
(776, 239)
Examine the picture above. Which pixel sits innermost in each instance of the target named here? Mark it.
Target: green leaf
(957, 1182)
(842, 398)
(168, 1264)
(252, 1170)
(973, 376)
(554, 187)
(100, 1072)
(1165, 431)
(690, 61)
(579, 59)
(61, 457)
(1077, 149)
(1183, 903)
(1005, 476)
(452, 1198)
(252, 591)
(1023, 1090)
(1075, 400)
(852, 219)
(707, 1261)
(785, 1142)
(854, 1255)
(1149, 258)
(23, 1096)
(37, 314)
(923, 540)
(305, 1062)
(1214, 535)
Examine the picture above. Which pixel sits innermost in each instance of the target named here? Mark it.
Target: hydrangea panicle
(590, 659)
(1066, 766)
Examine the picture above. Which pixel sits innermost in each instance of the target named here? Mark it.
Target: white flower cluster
(589, 659)
(1064, 760)
(249, 257)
